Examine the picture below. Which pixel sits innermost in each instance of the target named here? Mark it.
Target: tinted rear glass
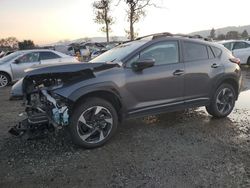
(194, 51)
(48, 55)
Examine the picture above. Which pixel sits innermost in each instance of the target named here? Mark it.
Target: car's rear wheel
(93, 123)
(222, 102)
(4, 79)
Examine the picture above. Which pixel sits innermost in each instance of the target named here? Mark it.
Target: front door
(24, 62)
(158, 86)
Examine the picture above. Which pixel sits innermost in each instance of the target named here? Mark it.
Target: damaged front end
(45, 110)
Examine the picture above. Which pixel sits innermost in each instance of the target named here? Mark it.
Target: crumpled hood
(66, 73)
(67, 68)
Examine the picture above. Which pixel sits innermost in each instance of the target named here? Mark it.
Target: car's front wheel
(4, 79)
(93, 123)
(222, 102)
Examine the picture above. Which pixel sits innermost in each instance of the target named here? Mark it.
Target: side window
(247, 45)
(239, 45)
(48, 55)
(217, 51)
(195, 52)
(210, 53)
(163, 53)
(228, 45)
(29, 58)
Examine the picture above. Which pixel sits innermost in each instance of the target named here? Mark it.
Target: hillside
(92, 39)
(223, 30)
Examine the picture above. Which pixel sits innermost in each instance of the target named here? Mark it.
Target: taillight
(235, 60)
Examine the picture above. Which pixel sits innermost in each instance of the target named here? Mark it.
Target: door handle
(178, 72)
(215, 65)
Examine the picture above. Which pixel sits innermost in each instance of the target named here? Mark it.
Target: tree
(244, 34)
(26, 44)
(212, 33)
(102, 12)
(10, 43)
(128, 34)
(221, 37)
(136, 10)
(232, 35)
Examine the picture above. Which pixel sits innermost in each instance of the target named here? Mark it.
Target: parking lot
(181, 149)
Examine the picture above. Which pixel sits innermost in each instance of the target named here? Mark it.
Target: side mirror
(16, 61)
(142, 64)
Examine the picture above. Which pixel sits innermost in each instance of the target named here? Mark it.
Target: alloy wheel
(94, 124)
(225, 100)
(3, 80)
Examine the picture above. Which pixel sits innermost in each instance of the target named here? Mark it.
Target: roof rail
(156, 35)
(167, 34)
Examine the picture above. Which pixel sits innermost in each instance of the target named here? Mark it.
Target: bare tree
(9, 43)
(102, 12)
(136, 10)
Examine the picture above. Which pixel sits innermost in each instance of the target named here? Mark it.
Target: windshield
(10, 57)
(119, 52)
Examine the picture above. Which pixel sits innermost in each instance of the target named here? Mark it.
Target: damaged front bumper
(44, 111)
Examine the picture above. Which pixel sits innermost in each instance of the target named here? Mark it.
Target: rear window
(48, 55)
(195, 52)
(217, 51)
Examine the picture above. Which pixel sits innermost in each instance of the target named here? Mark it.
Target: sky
(48, 21)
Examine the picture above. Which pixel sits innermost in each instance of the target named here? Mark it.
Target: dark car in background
(153, 74)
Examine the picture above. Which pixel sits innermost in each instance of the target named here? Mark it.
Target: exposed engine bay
(44, 109)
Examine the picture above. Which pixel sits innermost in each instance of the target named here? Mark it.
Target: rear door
(158, 86)
(24, 62)
(201, 65)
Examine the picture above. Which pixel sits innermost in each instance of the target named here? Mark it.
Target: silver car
(12, 67)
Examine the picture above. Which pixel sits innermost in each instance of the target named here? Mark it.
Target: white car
(239, 48)
(13, 66)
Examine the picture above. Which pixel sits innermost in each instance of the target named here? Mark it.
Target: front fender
(74, 95)
(6, 68)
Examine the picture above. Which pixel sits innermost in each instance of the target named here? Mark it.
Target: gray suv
(153, 74)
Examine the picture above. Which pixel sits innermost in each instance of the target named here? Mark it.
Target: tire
(222, 102)
(4, 79)
(93, 123)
